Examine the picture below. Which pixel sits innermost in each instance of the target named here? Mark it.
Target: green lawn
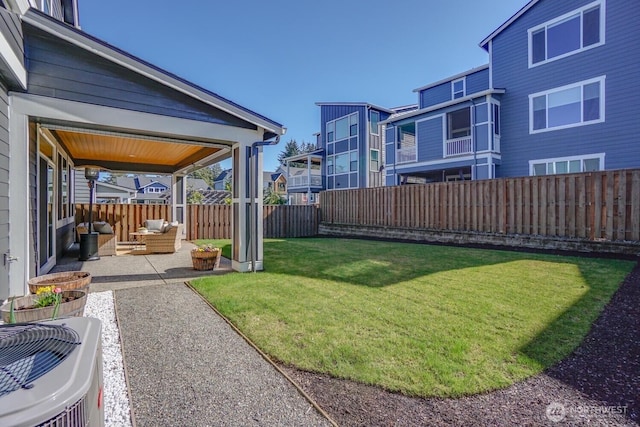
(419, 319)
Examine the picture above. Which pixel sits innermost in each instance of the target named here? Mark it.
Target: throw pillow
(102, 227)
(154, 224)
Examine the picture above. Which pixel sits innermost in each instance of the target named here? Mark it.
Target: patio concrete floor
(185, 364)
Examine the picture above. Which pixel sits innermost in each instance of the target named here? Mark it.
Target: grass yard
(423, 320)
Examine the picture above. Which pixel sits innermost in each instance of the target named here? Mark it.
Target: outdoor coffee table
(139, 238)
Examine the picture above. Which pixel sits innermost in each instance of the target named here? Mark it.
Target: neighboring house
(277, 182)
(70, 100)
(104, 191)
(556, 96)
(221, 181)
(155, 189)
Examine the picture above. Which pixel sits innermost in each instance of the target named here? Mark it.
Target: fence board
(591, 205)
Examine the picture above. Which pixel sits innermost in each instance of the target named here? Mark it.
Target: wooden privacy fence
(204, 221)
(596, 206)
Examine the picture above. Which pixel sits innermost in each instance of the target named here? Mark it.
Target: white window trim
(580, 10)
(464, 87)
(599, 156)
(377, 132)
(371, 150)
(349, 123)
(601, 119)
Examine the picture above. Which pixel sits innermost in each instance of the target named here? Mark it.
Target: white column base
(245, 267)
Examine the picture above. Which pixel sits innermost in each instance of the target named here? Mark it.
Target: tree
(208, 174)
(292, 148)
(195, 197)
(270, 197)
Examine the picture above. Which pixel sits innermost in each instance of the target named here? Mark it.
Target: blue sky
(278, 58)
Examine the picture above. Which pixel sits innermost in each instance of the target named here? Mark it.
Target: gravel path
(187, 367)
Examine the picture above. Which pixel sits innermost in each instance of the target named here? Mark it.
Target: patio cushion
(102, 227)
(154, 224)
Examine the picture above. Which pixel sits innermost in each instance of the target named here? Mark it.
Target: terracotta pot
(74, 307)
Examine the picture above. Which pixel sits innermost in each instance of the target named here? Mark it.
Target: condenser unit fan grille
(30, 350)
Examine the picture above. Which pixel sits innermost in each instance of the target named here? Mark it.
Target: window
(573, 105)
(342, 163)
(496, 119)
(459, 123)
(330, 165)
(373, 123)
(575, 164)
(342, 128)
(406, 143)
(353, 164)
(457, 88)
(568, 34)
(374, 160)
(330, 131)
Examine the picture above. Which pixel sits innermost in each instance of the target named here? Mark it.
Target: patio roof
(194, 139)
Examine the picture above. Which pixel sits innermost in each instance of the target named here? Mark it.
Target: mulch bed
(598, 384)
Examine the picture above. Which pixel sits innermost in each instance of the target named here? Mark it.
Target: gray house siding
(11, 29)
(332, 112)
(4, 189)
(618, 59)
(59, 69)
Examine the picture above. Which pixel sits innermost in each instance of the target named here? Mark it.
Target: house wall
(351, 179)
(62, 70)
(475, 82)
(617, 59)
(11, 30)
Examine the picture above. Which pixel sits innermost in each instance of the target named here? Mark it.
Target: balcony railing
(406, 154)
(459, 146)
(303, 181)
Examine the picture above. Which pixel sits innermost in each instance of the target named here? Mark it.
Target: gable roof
(99, 47)
(483, 44)
(357, 104)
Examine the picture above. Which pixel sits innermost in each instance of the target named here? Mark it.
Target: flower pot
(206, 260)
(73, 306)
(66, 280)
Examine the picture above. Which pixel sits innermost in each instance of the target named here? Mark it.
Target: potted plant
(66, 281)
(49, 302)
(206, 257)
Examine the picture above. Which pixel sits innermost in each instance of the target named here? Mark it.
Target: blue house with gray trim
(556, 96)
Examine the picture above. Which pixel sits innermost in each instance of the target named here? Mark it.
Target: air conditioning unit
(51, 373)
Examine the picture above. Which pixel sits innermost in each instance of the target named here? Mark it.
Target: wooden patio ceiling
(135, 153)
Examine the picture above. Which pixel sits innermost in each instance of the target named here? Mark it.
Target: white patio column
(243, 211)
(179, 201)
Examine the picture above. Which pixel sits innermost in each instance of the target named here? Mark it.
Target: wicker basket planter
(205, 260)
(72, 304)
(66, 280)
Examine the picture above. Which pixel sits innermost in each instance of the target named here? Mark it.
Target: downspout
(253, 192)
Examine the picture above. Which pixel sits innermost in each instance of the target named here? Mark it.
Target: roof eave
(443, 105)
(357, 104)
(508, 22)
(454, 77)
(99, 47)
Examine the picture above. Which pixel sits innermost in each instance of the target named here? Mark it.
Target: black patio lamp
(89, 241)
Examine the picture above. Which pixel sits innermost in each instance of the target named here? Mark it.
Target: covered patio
(90, 104)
